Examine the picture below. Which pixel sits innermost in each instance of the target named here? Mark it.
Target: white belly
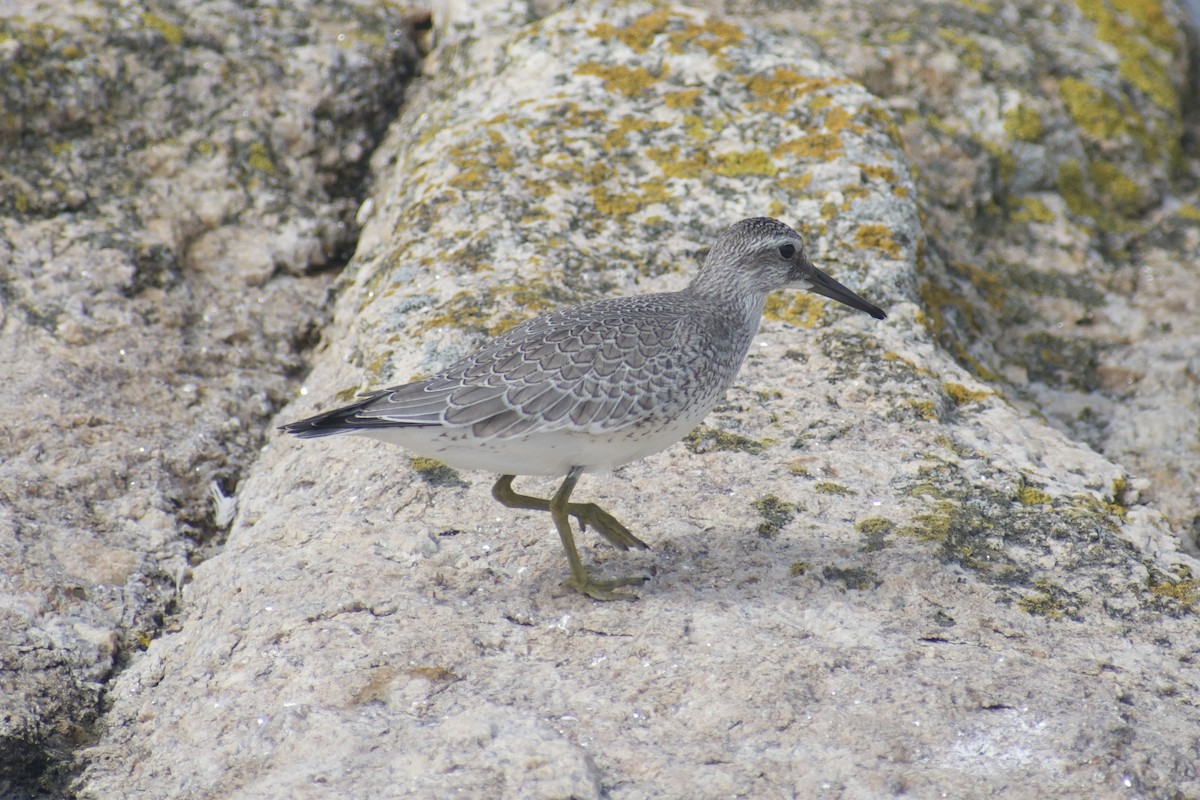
(539, 453)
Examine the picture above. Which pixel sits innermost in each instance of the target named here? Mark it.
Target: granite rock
(172, 197)
(889, 564)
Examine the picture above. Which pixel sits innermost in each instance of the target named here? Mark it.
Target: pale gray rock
(1057, 149)
(170, 178)
(875, 572)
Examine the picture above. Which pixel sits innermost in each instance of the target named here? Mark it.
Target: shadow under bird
(594, 386)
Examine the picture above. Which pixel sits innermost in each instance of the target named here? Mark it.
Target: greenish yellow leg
(587, 513)
(560, 509)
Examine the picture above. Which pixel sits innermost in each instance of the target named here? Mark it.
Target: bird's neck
(739, 307)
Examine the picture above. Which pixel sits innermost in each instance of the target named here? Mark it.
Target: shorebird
(594, 386)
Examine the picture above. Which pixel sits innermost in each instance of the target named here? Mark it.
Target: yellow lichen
(886, 174)
(852, 193)
(795, 183)
(500, 152)
(961, 395)
(629, 81)
(168, 30)
(799, 468)
(491, 312)
(1042, 604)
(969, 53)
(803, 310)
(675, 166)
(896, 357)
(1120, 192)
(823, 146)
(706, 440)
(875, 525)
(1023, 123)
(1186, 592)
(643, 33)
(878, 237)
(1104, 117)
(989, 285)
(1138, 64)
(925, 408)
(1073, 187)
(1006, 163)
(260, 159)
(638, 35)
(694, 127)
(838, 119)
(933, 526)
(775, 513)
(435, 472)
(713, 35)
(651, 191)
(1030, 496)
(1032, 209)
(468, 180)
(752, 162)
(627, 125)
(682, 99)
(780, 89)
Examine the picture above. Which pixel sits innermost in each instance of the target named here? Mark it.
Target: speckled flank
(593, 386)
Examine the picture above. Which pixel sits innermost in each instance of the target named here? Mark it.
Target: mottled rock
(875, 572)
(1056, 149)
(171, 178)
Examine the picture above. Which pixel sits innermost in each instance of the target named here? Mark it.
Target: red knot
(594, 386)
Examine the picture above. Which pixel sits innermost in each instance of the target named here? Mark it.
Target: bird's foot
(603, 589)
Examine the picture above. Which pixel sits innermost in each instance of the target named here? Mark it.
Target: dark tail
(331, 423)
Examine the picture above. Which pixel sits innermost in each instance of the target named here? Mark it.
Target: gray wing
(598, 366)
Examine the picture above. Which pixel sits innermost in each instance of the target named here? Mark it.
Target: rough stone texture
(170, 176)
(875, 572)
(1062, 212)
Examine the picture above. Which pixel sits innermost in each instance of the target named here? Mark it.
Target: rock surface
(1061, 209)
(171, 182)
(876, 571)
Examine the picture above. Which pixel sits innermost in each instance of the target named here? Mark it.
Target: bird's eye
(787, 251)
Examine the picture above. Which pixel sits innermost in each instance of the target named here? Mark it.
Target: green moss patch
(775, 513)
(435, 473)
(708, 440)
(858, 578)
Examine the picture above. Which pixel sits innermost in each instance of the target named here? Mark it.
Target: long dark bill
(822, 284)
